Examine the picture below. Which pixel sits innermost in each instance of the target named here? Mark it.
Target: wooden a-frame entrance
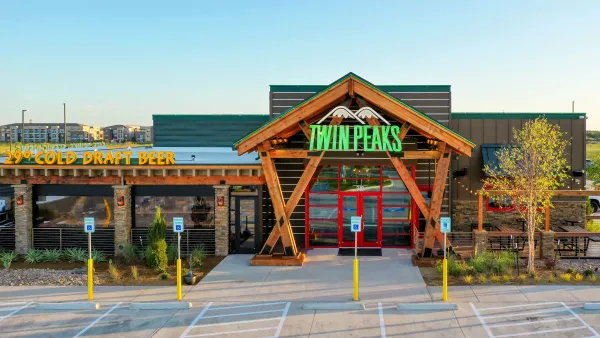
(270, 143)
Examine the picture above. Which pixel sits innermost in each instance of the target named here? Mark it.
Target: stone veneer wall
(23, 218)
(222, 221)
(465, 212)
(123, 218)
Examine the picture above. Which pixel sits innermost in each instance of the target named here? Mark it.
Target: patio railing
(190, 239)
(7, 238)
(103, 239)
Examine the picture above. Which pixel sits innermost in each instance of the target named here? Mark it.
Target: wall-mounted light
(360, 153)
(193, 157)
(220, 200)
(20, 200)
(577, 173)
(121, 201)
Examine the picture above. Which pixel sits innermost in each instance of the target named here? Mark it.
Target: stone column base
(123, 219)
(480, 240)
(23, 218)
(221, 220)
(548, 244)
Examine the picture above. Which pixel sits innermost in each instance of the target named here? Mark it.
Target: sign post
(178, 228)
(356, 227)
(88, 226)
(445, 225)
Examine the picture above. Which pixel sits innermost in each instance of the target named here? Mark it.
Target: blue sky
(122, 61)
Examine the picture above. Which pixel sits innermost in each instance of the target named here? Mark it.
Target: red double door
(368, 206)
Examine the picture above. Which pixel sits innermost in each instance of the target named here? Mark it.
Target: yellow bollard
(90, 279)
(445, 280)
(179, 297)
(355, 278)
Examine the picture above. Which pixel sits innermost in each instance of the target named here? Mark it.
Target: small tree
(157, 256)
(529, 171)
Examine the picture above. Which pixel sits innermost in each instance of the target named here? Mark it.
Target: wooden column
(437, 198)
(480, 212)
(547, 218)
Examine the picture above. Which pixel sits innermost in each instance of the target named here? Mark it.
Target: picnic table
(572, 222)
(486, 226)
(507, 242)
(573, 242)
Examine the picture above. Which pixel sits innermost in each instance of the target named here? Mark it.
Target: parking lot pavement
(552, 319)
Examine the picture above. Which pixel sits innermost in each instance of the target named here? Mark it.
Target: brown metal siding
(500, 131)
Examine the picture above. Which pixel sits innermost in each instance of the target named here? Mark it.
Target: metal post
(445, 272)
(65, 120)
(179, 296)
(90, 269)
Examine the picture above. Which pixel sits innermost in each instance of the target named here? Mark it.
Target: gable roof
(339, 89)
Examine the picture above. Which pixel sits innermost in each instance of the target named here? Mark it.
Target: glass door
(243, 224)
(367, 205)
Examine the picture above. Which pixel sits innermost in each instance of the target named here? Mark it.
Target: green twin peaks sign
(356, 137)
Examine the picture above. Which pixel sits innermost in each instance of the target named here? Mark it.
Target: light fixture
(193, 157)
(20, 200)
(121, 201)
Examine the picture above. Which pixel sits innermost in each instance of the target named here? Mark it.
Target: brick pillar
(480, 239)
(548, 244)
(221, 220)
(23, 218)
(123, 219)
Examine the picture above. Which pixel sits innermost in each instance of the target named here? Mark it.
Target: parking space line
(15, 311)
(285, 311)
(541, 332)
(525, 313)
(514, 306)
(485, 327)
(381, 322)
(240, 322)
(231, 332)
(581, 320)
(242, 306)
(536, 322)
(242, 314)
(196, 320)
(98, 319)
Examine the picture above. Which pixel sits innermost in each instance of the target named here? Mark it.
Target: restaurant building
(287, 181)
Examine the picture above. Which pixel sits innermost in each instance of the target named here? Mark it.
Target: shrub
(33, 256)
(172, 252)
(134, 272)
(570, 271)
(129, 253)
(588, 272)
(532, 274)
(537, 279)
(495, 279)
(51, 255)
(149, 257)
(98, 256)
(7, 258)
(164, 275)
(159, 249)
(113, 271)
(490, 262)
(158, 229)
(551, 278)
(522, 278)
(578, 277)
(482, 279)
(593, 278)
(506, 278)
(75, 255)
(468, 279)
(566, 277)
(197, 257)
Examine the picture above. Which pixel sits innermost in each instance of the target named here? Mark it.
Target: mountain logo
(359, 116)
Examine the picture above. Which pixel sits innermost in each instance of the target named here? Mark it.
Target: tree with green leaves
(528, 172)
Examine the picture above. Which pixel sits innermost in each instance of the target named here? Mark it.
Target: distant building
(145, 135)
(49, 132)
(120, 133)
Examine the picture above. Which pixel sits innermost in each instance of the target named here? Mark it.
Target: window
(197, 211)
(7, 212)
(69, 211)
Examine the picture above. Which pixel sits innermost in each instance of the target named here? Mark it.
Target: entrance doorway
(244, 225)
(368, 206)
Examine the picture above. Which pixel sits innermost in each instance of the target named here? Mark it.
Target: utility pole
(65, 119)
(573, 107)
(22, 126)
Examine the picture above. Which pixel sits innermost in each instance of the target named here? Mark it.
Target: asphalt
(236, 300)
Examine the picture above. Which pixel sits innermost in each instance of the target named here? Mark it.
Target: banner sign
(366, 138)
(92, 157)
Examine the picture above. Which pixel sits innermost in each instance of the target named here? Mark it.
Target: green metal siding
(517, 115)
(385, 88)
(203, 130)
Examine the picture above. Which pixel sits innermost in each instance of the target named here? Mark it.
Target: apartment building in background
(120, 133)
(50, 132)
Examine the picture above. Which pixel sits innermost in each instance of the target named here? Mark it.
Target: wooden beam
(305, 128)
(420, 123)
(437, 198)
(480, 212)
(421, 155)
(547, 223)
(194, 180)
(411, 186)
(351, 88)
(289, 153)
(404, 130)
(113, 180)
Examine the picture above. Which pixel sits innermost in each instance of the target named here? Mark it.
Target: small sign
(445, 224)
(88, 224)
(177, 224)
(355, 222)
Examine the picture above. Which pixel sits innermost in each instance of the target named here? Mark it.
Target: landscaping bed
(500, 268)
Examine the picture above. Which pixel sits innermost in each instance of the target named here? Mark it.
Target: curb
(333, 306)
(68, 306)
(427, 307)
(591, 306)
(161, 306)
